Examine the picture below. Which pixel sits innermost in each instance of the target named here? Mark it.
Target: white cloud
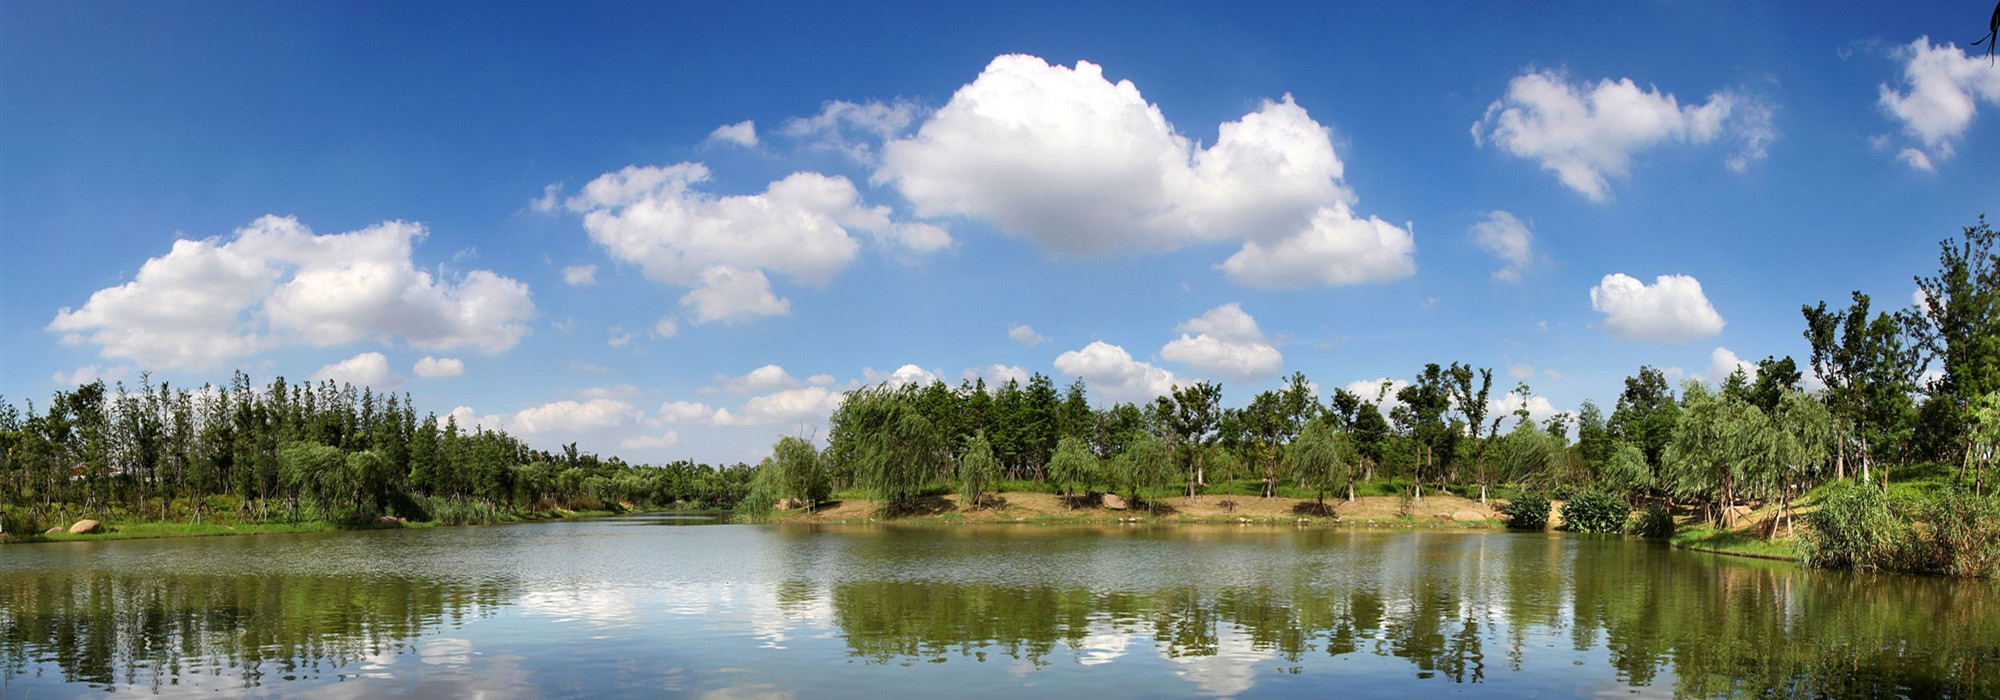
(1112, 373)
(1335, 248)
(609, 392)
(722, 246)
(551, 197)
(1722, 363)
(905, 375)
(620, 337)
(1941, 91)
(580, 275)
(805, 406)
(1522, 371)
(996, 374)
(853, 129)
(1225, 341)
(1586, 133)
(761, 380)
(820, 380)
(685, 412)
(90, 373)
(567, 417)
(1672, 309)
(1081, 166)
(652, 442)
(1026, 335)
(363, 370)
(743, 133)
(206, 303)
(1505, 237)
(430, 367)
(732, 296)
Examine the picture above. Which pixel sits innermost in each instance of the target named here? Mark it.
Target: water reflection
(588, 609)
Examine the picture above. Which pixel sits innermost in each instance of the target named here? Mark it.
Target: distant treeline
(1755, 439)
(304, 451)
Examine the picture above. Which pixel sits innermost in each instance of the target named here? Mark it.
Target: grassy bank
(1437, 511)
(139, 529)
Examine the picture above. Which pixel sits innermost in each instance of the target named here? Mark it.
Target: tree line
(304, 452)
(1917, 386)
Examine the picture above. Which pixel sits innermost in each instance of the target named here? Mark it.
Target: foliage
(1321, 458)
(1073, 466)
(977, 470)
(1596, 511)
(1655, 521)
(1527, 512)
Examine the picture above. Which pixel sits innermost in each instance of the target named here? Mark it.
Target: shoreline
(165, 529)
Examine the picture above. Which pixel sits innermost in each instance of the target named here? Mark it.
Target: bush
(1654, 522)
(1528, 512)
(458, 511)
(1595, 511)
(1956, 533)
(1951, 532)
(18, 524)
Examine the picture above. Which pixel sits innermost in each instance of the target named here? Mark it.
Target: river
(675, 605)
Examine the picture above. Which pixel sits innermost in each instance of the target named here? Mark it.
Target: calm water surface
(648, 606)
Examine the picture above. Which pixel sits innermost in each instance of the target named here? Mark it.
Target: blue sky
(1134, 185)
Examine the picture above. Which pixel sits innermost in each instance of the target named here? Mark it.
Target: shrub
(18, 524)
(1595, 511)
(1528, 512)
(1654, 522)
(1956, 533)
(1853, 528)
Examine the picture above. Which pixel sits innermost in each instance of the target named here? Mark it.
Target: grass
(1702, 537)
(122, 526)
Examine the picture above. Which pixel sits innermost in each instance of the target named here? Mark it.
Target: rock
(85, 527)
(1468, 516)
(388, 521)
(1114, 501)
(53, 531)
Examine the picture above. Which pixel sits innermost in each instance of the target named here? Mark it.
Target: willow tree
(1143, 466)
(1322, 459)
(1073, 465)
(1531, 456)
(799, 472)
(893, 449)
(977, 469)
(1793, 446)
(1713, 449)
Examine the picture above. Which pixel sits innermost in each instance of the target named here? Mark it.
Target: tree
(1646, 414)
(896, 451)
(976, 470)
(1143, 466)
(1322, 459)
(1421, 417)
(1073, 465)
(1714, 448)
(800, 472)
(1196, 412)
(1958, 321)
(1472, 404)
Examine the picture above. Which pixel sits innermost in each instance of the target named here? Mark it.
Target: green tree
(1073, 465)
(1322, 459)
(977, 469)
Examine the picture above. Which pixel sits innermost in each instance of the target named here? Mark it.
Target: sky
(681, 231)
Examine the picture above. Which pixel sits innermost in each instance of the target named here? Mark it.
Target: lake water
(670, 606)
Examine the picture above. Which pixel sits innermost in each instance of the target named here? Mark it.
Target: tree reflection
(107, 629)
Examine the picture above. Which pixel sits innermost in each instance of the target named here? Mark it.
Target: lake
(680, 606)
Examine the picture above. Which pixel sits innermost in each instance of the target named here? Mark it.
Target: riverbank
(156, 529)
(1434, 511)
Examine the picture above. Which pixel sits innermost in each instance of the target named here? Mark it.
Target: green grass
(123, 529)
(1705, 538)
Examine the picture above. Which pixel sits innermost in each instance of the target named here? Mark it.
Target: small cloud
(551, 197)
(743, 133)
(1026, 335)
(580, 275)
(666, 327)
(433, 367)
